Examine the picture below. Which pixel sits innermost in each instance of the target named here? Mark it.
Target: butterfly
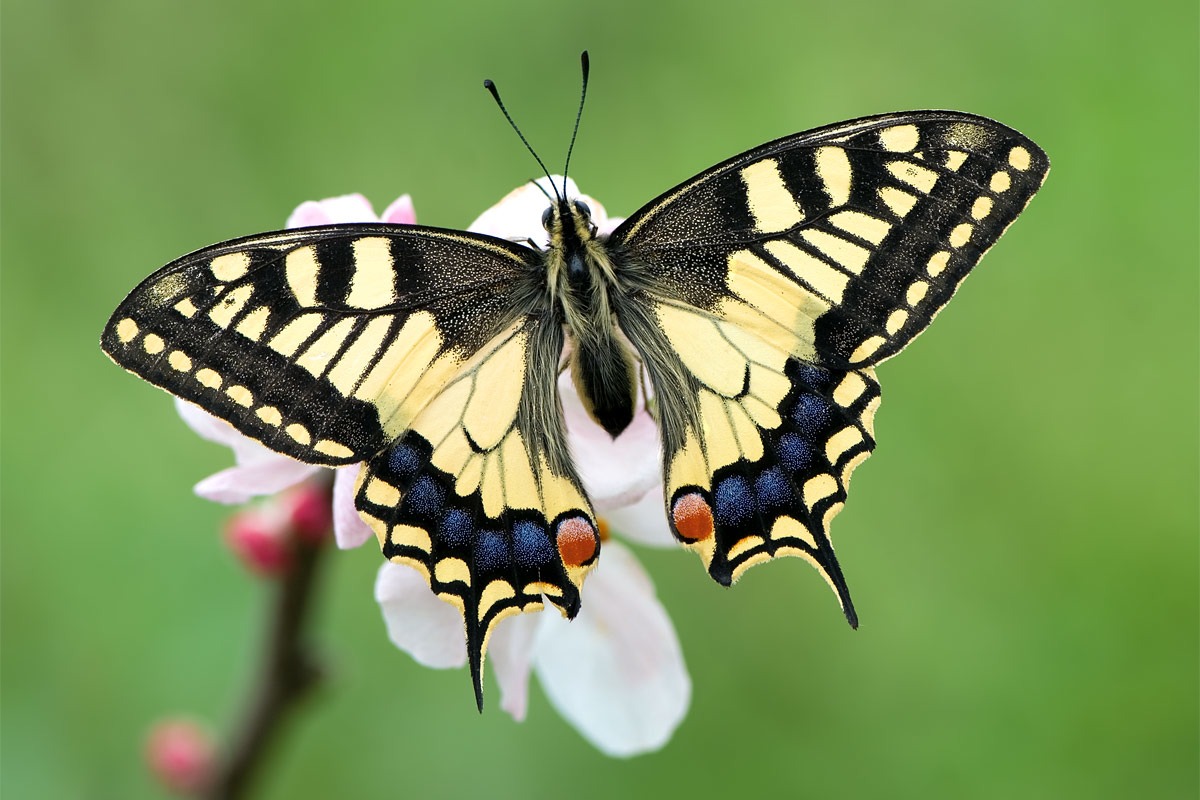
(755, 299)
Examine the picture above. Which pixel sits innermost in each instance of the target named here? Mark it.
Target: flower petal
(332, 210)
(510, 651)
(616, 672)
(400, 212)
(518, 215)
(349, 529)
(205, 425)
(428, 629)
(245, 481)
(644, 522)
(615, 472)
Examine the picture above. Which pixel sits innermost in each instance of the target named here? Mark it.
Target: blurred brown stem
(289, 671)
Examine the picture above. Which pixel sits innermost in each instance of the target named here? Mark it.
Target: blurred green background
(1022, 548)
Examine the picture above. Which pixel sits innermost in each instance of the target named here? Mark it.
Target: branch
(288, 673)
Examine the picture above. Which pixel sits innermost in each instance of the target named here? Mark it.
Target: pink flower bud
(260, 540)
(180, 753)
(310, 509)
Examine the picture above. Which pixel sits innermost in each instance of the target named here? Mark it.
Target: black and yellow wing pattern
(768, 288)
(403, 347)
(757, 299)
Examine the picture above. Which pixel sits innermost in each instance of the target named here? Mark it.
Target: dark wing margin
(480, 494)
(322, 343)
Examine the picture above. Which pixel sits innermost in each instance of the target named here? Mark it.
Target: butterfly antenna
(583, 62)
(491, 87)
(538, 186)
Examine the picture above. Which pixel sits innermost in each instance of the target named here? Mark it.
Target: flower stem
(287, 674)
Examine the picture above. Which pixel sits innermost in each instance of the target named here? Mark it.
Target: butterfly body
(753, 301)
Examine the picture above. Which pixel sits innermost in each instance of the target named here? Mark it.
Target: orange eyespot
(693, 517)
(577, 541)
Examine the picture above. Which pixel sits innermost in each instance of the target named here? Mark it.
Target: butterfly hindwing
(480, 494)
(758, 446)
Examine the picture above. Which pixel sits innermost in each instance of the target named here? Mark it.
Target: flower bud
(260, 539)
(180, 754)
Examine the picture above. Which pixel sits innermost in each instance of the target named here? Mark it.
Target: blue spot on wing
(491, 552)
(814, 377)
(734, 499)
(774, 490)
(531, 544)
(795, 453)
(424, 498)
(403, 461)
(456, 528)
(811, 413)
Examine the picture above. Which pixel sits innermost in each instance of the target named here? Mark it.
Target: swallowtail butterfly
(755, 298)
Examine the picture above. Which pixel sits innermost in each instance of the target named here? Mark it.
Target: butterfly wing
(766, 288)
(480, 494)
(416, 350)
(322, 343)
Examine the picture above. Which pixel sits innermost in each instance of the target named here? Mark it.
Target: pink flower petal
(245, 481)
(510, 653)
(616, 672)
(400, 212)
(332, 210)
(428, 629)
(349, 529)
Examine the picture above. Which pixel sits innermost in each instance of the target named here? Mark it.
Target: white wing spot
(153, 344)
(230, 266)
(961, 234)
(981, 207)
(179, 360)
(1000, 182)
(127, 330)
(1018, 157)
(900, 138)
(269, 415)
(299, 433)
(916, 292)
(208, 378)
(937, 263)
(240, 395)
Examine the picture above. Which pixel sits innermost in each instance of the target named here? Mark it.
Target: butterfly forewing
(842, 243)
(322, 343)
(763, 290)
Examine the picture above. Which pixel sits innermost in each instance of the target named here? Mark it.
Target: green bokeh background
(1022, 548)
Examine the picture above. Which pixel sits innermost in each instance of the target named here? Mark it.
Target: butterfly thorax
(580, 280)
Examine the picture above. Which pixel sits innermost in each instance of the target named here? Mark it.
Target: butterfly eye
(547, 216)
(582, 208)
